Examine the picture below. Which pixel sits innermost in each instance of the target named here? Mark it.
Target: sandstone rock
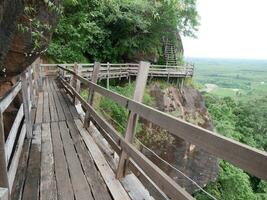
(17, 49)
(196, 163)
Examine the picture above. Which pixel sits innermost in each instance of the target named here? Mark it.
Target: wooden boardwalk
(56, 164)
(50, 154)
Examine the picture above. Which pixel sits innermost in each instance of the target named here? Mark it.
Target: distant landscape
(240, 79)
(235, 93)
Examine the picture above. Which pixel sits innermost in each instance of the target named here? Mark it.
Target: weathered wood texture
(248, 158)
(126, 70)
(3, 163)
(133, 118)
(10, 141)
(59, 164)
(26, 105)
(162, 180)
(3, 194)
(91, 93)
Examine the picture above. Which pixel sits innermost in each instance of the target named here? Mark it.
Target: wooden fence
(11, 147)
(248, 158)
(125, 70)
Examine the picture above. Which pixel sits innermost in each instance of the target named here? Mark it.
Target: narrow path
(56, 163)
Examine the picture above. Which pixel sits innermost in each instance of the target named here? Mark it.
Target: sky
(230, 29)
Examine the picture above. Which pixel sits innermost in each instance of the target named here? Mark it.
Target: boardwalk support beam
(133, 117)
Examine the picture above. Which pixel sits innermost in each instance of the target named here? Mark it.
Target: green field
(249, 77)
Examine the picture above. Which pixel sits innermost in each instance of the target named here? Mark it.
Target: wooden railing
(248, 158)
(109, 70)
(10, 149)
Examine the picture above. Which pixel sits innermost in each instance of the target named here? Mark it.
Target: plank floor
(56, 164)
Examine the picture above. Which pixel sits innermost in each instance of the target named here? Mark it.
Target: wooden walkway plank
(60, 112)
(39, 110)
(52, 106)
(65, 191)
(46, 113)
(114, 185)
(48, 190)
(99, 189)
(70, 105)
(65, 108)
(31, 188)
(81, 188)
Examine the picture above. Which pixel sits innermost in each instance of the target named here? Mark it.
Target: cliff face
(18, 46)
(188, 105)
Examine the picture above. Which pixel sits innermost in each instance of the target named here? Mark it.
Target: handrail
(248, 158)
(7, 99)
(10, 150)
(169, 186)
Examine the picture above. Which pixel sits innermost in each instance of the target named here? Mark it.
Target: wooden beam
(90, 99)
(153, 189)
(3, 194)
(6, 100)
(133, 118)
(3, 164)
(26, 102)
(108, 74)
(15, 160)
(10, 141)
(115, 187)
(78, 71)
(247, 158)
(32, 97)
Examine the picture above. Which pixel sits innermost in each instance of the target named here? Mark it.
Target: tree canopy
(244, 122)
(120, 30)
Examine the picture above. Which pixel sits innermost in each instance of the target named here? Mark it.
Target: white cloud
(230, 29)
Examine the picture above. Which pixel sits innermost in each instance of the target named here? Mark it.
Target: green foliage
(245, 122)
(118, 30)
(116, 112)
(34, 26)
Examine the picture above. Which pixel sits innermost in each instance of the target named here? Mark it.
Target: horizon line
(225, 58)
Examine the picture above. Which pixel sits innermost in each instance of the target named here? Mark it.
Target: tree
(118, 30)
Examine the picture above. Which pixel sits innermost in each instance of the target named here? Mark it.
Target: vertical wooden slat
(132, 119)
(32, 97)
(35, 83)
(26, 105)
(108, 68)
(3, 164)
(73, 79)
(3, 194)
(39, 75)
(90, 99)
(78, 82)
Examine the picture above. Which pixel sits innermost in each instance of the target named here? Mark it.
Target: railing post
(90, 99)
(26, 105)
(78, 71)
(39, 75)
(4, 194)
(32, 97)
(133, 117)
(120, 72)
(3, 162)
(108, 66)
(73, 79)
(35, 78)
